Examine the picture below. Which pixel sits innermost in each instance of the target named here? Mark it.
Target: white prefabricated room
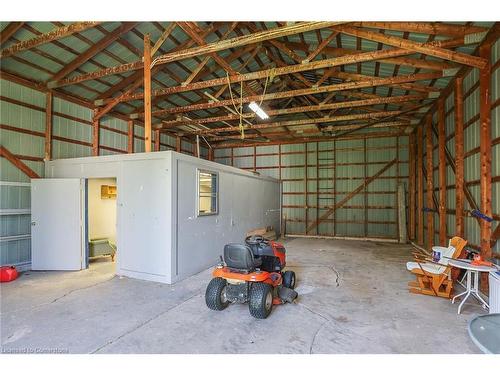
(160, 216)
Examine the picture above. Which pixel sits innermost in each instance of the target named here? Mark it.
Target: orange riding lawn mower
(252, 272)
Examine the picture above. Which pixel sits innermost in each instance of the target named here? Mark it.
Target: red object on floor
(8, 273)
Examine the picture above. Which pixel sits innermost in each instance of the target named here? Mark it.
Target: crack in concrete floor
(333, 291)
(147, 321)
(60, 297)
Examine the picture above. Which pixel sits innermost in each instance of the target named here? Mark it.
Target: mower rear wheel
(289, 279)
(261, 300)
(215, 295)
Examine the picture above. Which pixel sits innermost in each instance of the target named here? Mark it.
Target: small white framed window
(208, 193)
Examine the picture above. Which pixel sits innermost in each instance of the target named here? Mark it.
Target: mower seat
(263, 249)
(240, 257)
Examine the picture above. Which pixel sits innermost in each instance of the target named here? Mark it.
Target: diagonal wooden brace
(348, 197)
(18, 163)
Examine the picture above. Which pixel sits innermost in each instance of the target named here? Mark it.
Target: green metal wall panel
(70, 121)
(138, 142)
(315, 175)
(14, 196)
(113, 139)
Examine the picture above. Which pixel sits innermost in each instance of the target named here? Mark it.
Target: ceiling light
(259, 111)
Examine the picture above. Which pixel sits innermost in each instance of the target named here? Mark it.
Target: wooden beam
(491, 37)
(320, 47)
(137, 76)
(168, 30)
(451, 163)
(301, 92)
(202, 50)
(442, 53)
(95, 134)
(303, 132)
(267, 142)
(361, 77)
(401, 60)
(51, 36)
(197, 70)
(48, 126)
(430, 181)
(329, 72)
(375, 122)
(459, 157)
(282, 46)
(193, 31)
(420, 186)
(18, 163)
(442, 171)
(124, 83)
(285, 70)
(236, 55)
(147, 93)
(93, 50)
(114, 101)
(308, 121)
(485, 156)
(131, 134)
(9, 31)
(243, 40)
(432, 28)
(135, 81)
(303, 109)
(348, 197)
(411, 188)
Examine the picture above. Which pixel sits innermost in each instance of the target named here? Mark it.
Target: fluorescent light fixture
(259, 111)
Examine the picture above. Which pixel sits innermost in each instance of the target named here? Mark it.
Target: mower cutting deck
(253, 273)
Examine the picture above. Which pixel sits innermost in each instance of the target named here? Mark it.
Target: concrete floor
(352, 299)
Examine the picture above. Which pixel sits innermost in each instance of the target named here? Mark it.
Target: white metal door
(58, 224)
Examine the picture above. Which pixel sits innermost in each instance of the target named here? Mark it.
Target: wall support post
(420, 185)
(485, 156)
(48, 126)
(459, 157)
(147, 93)
(442, 171)
(411, 189)
(95, 133)
(430, 182)
(130, 146)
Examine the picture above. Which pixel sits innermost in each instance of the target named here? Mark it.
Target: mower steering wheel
(255, 240)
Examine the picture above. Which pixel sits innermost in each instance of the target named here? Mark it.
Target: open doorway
(101, 224)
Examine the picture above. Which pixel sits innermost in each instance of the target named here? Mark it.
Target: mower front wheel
(289, 279)
(261, 300)
(215, 295)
